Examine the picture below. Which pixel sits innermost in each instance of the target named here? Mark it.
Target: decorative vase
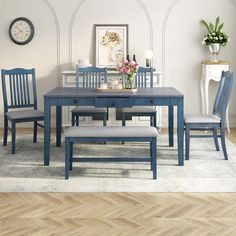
(214, 49)
(129, 82)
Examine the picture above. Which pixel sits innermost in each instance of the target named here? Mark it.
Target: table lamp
(148, 56)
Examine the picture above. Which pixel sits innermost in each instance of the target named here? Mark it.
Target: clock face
(21, 31)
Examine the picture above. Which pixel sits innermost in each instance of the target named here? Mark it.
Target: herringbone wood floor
(114, 214)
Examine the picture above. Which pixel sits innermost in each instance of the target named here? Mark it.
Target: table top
(64, 92)
(215, 62)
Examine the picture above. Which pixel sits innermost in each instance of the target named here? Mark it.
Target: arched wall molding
(142, 5)
(164, 38)
(56, 21)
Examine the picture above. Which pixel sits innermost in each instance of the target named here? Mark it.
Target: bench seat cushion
(25, 114)
(139, 109)
(204, 118)
(111, 131)
(89, 109)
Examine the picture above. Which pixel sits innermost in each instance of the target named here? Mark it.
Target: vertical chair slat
(14, 90)
(21, 90)
(18, 89)
(11, 90)
(27, 89)
(24, 89)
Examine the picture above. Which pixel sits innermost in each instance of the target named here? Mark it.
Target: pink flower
(132, 63)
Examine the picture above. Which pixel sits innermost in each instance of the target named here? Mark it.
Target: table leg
(58, 126)
(206, 95)
(171, 125)
(180, 131)
(202, 94)
(47, 131)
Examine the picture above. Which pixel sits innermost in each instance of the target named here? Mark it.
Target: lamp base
(148, 62)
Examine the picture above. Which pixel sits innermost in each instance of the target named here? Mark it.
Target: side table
(212, 70)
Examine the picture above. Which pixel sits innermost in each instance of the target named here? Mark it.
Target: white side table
(212, 71)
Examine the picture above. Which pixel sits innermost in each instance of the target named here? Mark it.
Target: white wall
(64, 32)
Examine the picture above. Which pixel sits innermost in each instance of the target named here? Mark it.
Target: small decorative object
(129, 69)
(148, 56)
(84, 63)
(21, 31)
(111, 45)
(215, 37)
(103, 86)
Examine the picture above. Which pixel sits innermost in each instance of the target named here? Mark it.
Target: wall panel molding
(56, 21)
(141, 4)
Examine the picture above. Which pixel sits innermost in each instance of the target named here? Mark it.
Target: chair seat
(202, 119)
(111, 131)
(25, 114)
(88, 109)
(139, 109)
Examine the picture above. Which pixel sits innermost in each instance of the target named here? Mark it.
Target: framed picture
(111, 43)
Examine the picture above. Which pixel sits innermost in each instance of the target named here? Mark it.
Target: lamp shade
(148, 54)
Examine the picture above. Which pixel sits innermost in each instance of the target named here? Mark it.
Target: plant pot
(214, 49)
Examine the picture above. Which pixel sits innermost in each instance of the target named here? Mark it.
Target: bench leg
(67, 157)
(154, 157)
(35, 131)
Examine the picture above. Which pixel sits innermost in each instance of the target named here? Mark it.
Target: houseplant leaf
(220, 27)
(211, 26)
(217, 23)
(206, 25)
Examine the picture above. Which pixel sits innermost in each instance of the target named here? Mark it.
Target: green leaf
(211, 26)
(205, 24)
(217, 23)
(220, 27)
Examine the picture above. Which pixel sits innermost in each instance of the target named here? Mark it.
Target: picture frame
(111, 44)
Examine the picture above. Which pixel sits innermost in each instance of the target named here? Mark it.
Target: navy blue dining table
(69, 96)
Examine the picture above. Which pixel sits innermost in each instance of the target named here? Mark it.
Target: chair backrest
(223, 94)
(90, 77)
(142, 76)
(19, 88)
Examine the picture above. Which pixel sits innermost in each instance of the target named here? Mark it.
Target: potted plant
(215, 36)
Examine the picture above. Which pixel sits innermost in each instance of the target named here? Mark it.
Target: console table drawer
(114, 102)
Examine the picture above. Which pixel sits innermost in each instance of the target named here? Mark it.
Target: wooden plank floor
(113, 214)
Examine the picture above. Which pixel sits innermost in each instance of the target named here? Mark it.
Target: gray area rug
(206, 171)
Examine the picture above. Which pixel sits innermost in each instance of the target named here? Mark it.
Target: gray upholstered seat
(89, 109)
(24, 114)
(111, 131)
(201, 119)
(137, 109)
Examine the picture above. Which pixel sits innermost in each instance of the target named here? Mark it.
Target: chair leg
(216, 139)
(123, 122)
(35, 131)
(71, 156)
(77, 121)
(72, 119)
(155, 120)
(5, 131)
(13, 137)
(222, 135)
(187, 141)
(67, 157)
(151, 156)
(105, 120)
(154, 157)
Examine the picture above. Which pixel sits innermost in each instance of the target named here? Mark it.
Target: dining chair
(20, 101)
(90, 77)
(212, 122)
(141, 82)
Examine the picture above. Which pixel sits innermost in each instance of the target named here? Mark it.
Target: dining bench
(77, 134)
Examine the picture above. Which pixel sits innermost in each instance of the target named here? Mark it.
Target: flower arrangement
(129, 69)
(215, 33)
(111, 39)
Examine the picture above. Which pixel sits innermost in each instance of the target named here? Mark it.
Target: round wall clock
(21, 31)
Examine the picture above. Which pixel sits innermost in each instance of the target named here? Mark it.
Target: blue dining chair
(90, 77)
(212, 122)
(141, 82)
(20, 101)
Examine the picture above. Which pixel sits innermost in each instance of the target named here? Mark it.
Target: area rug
(206, 171)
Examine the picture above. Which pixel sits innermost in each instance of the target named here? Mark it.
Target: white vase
(214, 49)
